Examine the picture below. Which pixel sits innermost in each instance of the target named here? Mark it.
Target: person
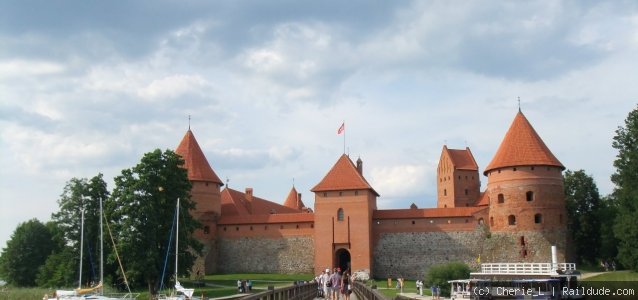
(325, 282)
(433, 291)
(239, 285)
(250, 285)
(335, 280)
(319, 281)
(438, 292)
(419, 287)
(346, 289)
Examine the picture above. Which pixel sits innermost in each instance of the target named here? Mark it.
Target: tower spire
(189, 122)
(519, 104)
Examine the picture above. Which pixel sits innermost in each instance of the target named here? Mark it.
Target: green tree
(29, 246)
(626, 191)
(439, 275)
(78, 194)
(608, 242)
(142, 207)
(583, 211)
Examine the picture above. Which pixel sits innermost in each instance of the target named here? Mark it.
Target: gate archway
(343, 259)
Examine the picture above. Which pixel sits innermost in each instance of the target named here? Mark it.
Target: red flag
(342, 128)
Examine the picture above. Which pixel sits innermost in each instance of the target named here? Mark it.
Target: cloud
(21, 67)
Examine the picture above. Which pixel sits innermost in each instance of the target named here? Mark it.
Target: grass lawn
(409, 286)
(216, 286)
(615, 276)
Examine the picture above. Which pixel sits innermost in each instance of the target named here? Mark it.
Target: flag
(342, 128)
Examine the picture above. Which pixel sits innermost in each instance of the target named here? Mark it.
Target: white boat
(96, 292)
(185, 293)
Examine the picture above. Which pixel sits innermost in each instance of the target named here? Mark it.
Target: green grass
(409, 286)
(615, 276)
(223, 285)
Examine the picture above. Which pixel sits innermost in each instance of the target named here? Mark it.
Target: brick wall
(286, 254)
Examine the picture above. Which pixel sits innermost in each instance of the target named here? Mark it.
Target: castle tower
(294, 200)
(526, 195)
(344, 202)
(458, 183)
(205, 192)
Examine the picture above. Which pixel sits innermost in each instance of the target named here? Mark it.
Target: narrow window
(491, 221)
(511, 220)
(444, 192)
(356, 193)
(325, 194)
(224, 228)
(340, 214)
(514, 169)
(251, 228)
(522, 240)
(501, 198)
(297, 226)
(206, 230)
(312, 225)
(529, 195)
(340, 194)
(413, 222)
(237, 228)
(538, 218)
(465, 192)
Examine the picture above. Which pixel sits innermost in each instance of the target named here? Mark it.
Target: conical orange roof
(293, 200)
(343, 176)
(195, 161)
(522, 146)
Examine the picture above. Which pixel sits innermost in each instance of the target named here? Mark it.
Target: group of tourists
(244, 286)
(333, 284)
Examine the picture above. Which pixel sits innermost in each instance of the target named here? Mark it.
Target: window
(459, 177)
(522, 240)
(413, 222)
(251, 228)
(529, 195)
(236, 228)
(531, 168)
(501, 198)
(281, 226)
(340, 214)
(206, 230)
(538, 218)
(224, 228)
(340, 194)
(514, 169)
(511, 220)
(491, 221)
(356, 193)
(465, 192)
(297, 226)
(444, 192)
(325, 194)
(480, 221)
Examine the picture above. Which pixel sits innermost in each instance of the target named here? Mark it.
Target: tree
(608, 242)
(26, 251)
(439, 275)
(583, 211)
(626, 190)
(78, 194)
(143, 207)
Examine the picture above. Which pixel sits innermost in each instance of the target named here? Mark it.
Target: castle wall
(265, 248)
(409, 247)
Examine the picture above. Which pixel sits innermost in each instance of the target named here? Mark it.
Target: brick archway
(342, 257)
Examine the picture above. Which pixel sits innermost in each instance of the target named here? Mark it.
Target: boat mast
(101, 250)
(81, 246)
(176, 238)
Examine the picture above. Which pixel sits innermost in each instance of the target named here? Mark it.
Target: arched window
(444, 192)
(511, 220)
(538, 218)
(480, 221)
(340, 214)
(501, 198)
(529, 195)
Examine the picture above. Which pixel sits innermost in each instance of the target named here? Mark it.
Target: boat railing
(527, 268)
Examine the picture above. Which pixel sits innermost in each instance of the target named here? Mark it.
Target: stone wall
(287, 254)
(411, 254)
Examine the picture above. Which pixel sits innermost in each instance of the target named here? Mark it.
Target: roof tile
(194, 160)
(343, 176)
(522, 146)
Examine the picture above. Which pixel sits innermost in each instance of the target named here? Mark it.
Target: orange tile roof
(236, 203)
(267, 218)
(343, 176)
(462, 159)
(522, 146)
(483, 200)
(425, 213)
(293, 200)
(194, 160)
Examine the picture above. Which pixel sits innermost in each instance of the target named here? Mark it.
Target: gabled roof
(462, 159)
(483, 200)
(294, 201)
(522, 146)
(236, 203)
(343, 176)
(194, 160)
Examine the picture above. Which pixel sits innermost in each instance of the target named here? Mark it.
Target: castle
(519, 215)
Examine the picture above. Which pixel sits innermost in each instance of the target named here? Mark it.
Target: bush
(439, 275)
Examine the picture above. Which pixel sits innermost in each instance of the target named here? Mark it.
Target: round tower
(205, 192)
(526, 195)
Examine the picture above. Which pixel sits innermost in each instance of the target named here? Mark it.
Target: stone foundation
(285, 255)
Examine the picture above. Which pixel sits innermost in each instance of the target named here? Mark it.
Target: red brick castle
(516, 218)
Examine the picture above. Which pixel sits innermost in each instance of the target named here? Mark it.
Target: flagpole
(344, 136)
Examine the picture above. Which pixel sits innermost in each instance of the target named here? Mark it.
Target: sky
(88, 87)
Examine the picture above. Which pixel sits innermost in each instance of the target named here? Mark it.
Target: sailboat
(188, 293)
(96, 292)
